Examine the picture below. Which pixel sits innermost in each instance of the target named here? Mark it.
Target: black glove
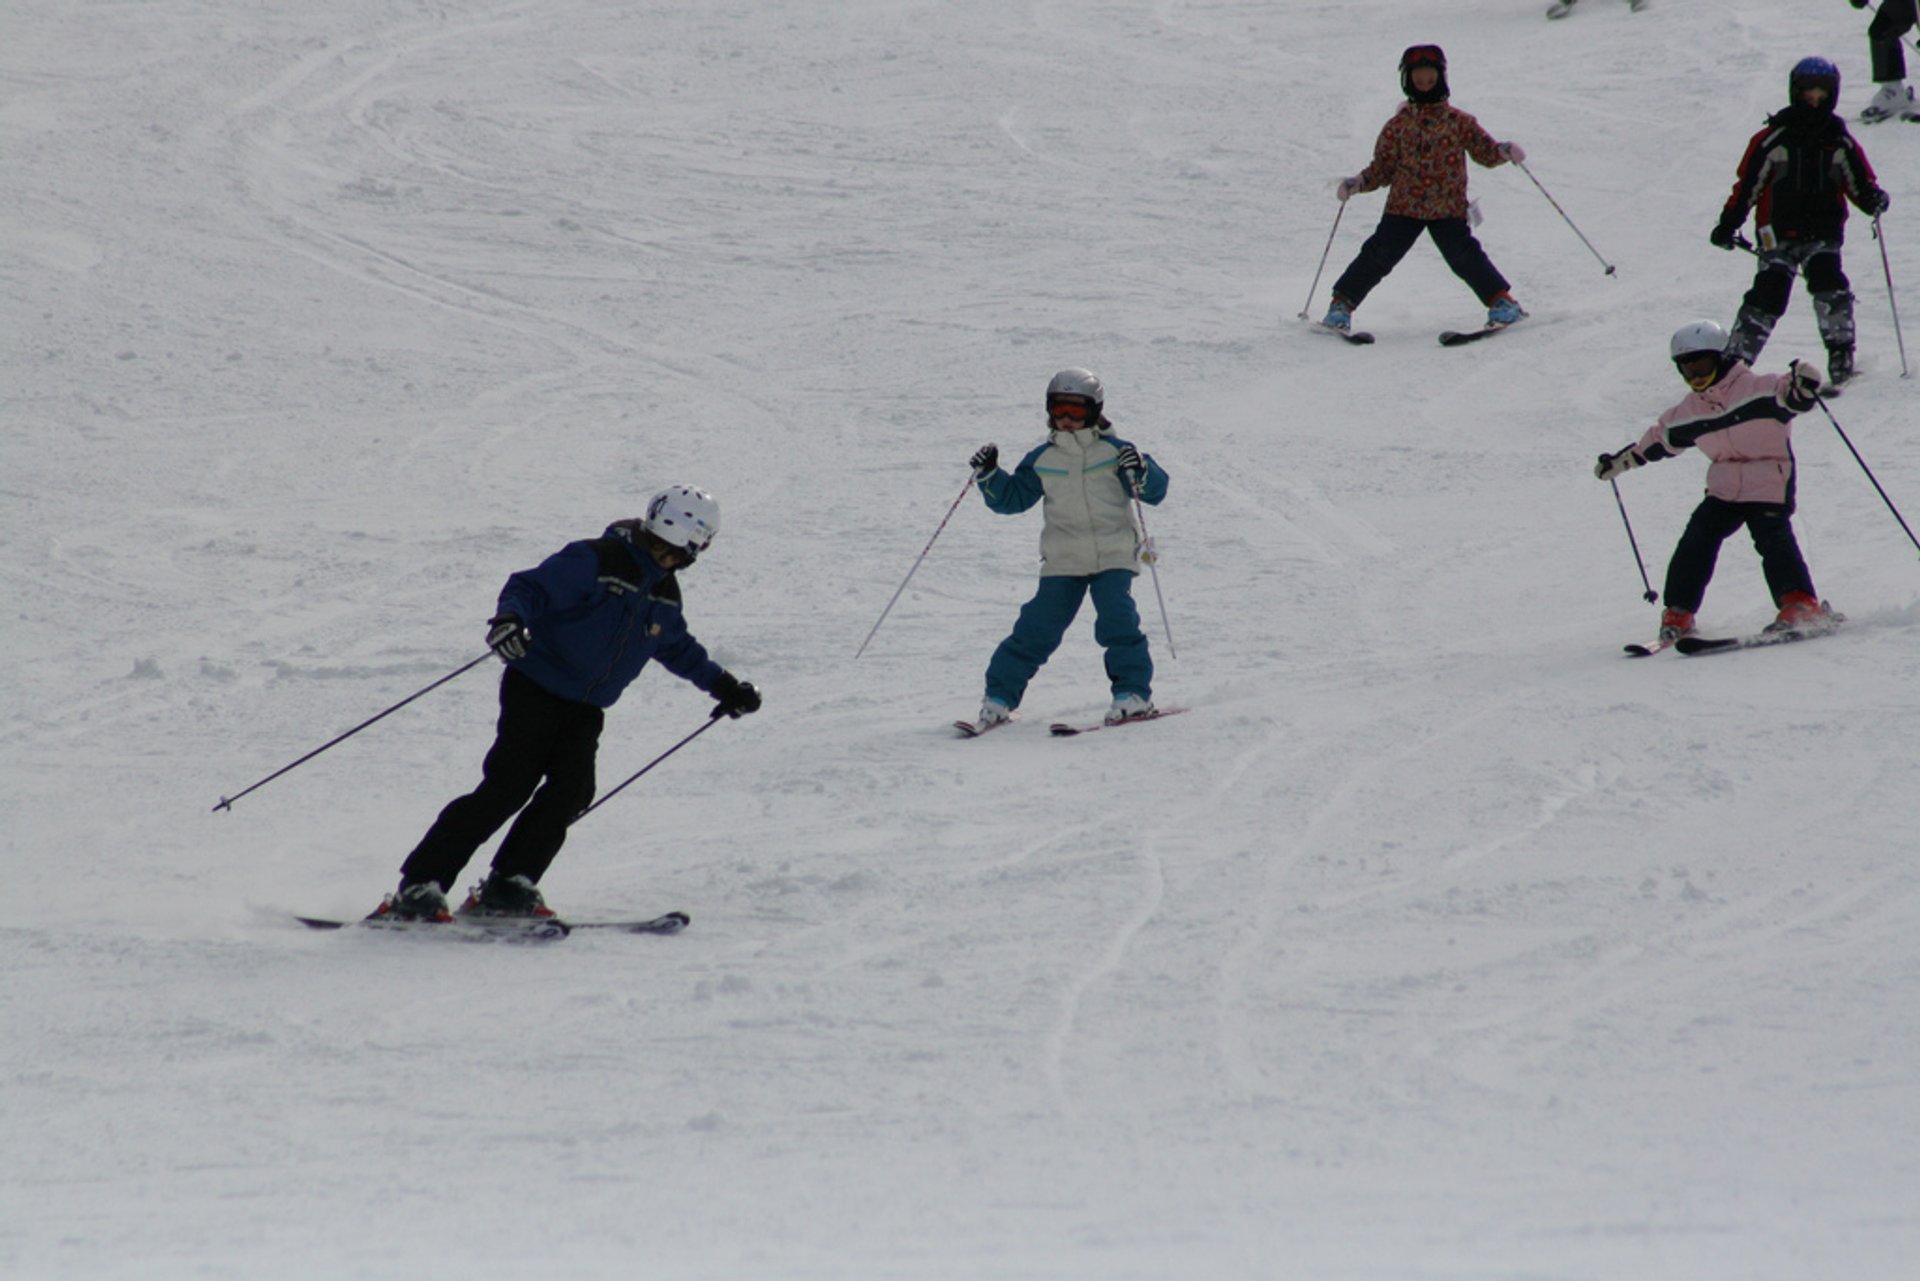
(1878, 201)
(985, 459)
(1803, 387)
(733, 697)
(507, 636)
(1858, 4)
(1612, 465)
(1722, 235)
(1132, 465)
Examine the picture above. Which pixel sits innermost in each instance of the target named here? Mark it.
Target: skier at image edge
(574, 632)
(1892, 20)
(1420, 157)
(1796, 176)
(1742, 421)
(1090, 545)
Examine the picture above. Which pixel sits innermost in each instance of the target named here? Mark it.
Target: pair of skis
(1694, 645)
(1448, 338)
(1064, 729)
(503, 929)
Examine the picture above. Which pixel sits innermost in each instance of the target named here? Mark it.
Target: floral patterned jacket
(1420, 155)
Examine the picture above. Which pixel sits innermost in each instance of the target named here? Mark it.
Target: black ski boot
(505, 896)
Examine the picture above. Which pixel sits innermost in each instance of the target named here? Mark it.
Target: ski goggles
(1424, 55)
(1073, 407)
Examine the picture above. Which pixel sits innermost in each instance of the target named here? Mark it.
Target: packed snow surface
(1438, 941)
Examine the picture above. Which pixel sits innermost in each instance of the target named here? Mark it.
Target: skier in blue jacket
(1090, 545)
(574, 632)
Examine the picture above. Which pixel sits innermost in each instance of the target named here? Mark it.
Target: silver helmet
(1083, 383)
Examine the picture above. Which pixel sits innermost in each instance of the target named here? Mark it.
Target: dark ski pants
(1043, 622)
(540, 767)
(1766, 301)
(1395, 235)
(1712, 523)
(1893, 20)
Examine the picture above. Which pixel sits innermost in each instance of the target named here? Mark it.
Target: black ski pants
(541, 767)
(1396, 234)
(1712, 523)
(1892, 20)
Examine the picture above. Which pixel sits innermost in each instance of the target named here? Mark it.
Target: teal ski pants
(1044, 620)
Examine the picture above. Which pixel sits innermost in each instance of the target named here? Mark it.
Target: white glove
(1512, 151)
(1347, 189)
(1611, 465)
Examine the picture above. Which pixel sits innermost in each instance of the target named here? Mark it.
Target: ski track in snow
(1437, 941)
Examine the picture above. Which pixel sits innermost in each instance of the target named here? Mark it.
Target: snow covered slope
(1438, 941)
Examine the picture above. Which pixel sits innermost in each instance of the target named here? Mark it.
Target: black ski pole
(916, 567)
(1563, 214)
(1887, 267)
(1649, 596)
(1314, 288)
(226, 802)
(1820, 400)
(634, 777)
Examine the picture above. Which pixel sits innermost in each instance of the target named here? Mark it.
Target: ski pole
(711, 721)
(1563, 214)
(916, 567)
(226, 802)
(1820, 400)
(1314, 288)
(1887, 267)
(1649, 596)
(1148, 554)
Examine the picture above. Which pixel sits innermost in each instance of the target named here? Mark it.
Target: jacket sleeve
(1386, 158)
(686, 657)
(1740, 199)
(1860, 176)
(1478, 143)
(563, 579)
(1010, 493)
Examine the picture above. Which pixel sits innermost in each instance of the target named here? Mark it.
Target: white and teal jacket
(1090, 526)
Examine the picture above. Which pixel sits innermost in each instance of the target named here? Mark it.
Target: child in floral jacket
(1420, 158)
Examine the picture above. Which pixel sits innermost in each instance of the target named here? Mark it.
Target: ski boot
(1675, 623)
(1339, 315)
(1129, 707)
(1800, 612)
(505, 896)
(414, 901)
(1502, 311)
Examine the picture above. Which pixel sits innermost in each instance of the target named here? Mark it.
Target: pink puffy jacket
(1743, 424)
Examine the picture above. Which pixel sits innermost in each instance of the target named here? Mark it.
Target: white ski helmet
(1697, 337)
(1083, 383)
(684, 517)
(1689, 343)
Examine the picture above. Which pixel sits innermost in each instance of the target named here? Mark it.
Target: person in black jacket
(1796, 177)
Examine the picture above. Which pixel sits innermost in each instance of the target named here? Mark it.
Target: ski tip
(1059, 730)
(319, 923)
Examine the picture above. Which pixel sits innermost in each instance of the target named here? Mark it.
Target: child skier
(1420, 157)
(1741, 420)
(574, 632)
(1089, 545)
(1796, 176)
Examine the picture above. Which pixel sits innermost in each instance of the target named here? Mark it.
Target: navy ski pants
(1396, 234)
(1712, 523)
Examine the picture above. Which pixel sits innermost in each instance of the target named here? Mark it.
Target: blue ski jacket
(598, 611)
